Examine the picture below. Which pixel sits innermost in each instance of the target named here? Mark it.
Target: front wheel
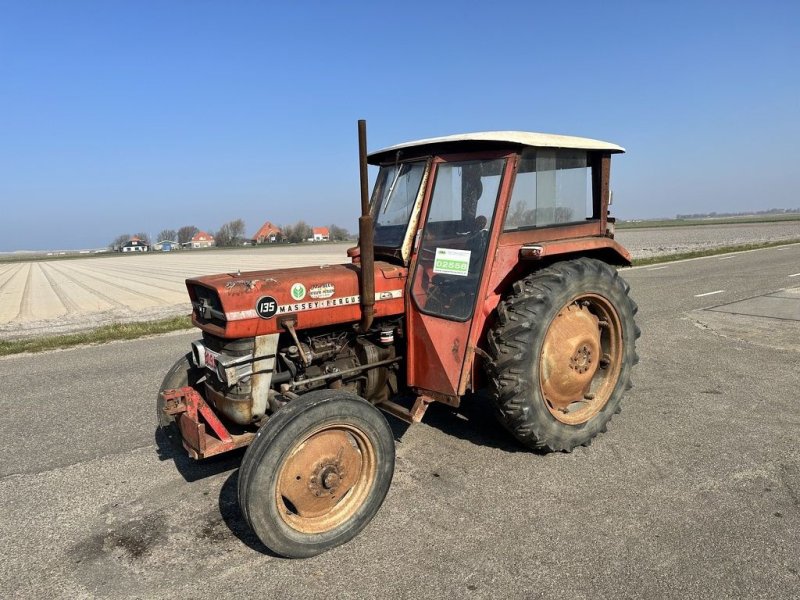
(562, 351)
(183, 373)
(317, 473)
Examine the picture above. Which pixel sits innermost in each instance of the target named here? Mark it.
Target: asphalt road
(694, 492)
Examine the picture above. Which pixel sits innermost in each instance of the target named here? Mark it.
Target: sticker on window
(451, 262)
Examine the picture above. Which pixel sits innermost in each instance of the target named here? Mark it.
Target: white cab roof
(522, 138)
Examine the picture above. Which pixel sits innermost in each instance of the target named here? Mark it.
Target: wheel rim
(325, 478)
(581, 359)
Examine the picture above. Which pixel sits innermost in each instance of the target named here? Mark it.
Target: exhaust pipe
(365, 238)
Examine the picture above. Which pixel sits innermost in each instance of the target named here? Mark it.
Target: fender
(612, 251)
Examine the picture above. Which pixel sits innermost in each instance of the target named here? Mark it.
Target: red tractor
(485, 260)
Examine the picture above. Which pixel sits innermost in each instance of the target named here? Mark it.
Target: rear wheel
(562, 349)
(317, 473)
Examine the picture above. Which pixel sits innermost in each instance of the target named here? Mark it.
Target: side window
(552, 186)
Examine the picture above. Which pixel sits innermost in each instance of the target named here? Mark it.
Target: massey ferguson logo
(266, 307)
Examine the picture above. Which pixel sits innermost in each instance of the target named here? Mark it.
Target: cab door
(449, 267)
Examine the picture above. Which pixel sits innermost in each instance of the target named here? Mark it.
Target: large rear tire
(562, 351)
(317, 473)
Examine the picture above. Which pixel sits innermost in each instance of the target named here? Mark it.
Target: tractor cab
(466, 214)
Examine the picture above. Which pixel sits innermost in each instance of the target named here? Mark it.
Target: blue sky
(121, 117)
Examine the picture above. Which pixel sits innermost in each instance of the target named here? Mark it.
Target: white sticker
(451, 262)
(322, 291)
(298, 291)
(390, 295)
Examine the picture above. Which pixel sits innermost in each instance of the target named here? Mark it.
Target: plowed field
(47, 297)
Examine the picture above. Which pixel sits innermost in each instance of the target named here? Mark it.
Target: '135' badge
(266, 307)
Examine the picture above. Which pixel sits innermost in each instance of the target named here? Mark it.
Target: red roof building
(201, 239)
(268, 233)
(321, 234)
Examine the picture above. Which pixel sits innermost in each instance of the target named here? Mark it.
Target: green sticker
(298, 291)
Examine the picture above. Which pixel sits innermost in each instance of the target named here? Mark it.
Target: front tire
(183, 373)
(562, 351)
(317, 473)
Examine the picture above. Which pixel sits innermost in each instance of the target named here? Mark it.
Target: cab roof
(481, 140)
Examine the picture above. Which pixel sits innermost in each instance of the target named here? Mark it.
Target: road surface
(694, 492)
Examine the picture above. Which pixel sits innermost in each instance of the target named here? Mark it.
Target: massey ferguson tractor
(485, 261)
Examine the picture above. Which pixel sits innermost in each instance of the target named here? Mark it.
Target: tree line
(770, 211)
(232, 233)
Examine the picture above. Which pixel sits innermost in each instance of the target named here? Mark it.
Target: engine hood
(235, 305)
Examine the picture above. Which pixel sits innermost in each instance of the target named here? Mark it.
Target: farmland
(45, 297)
(59, 296)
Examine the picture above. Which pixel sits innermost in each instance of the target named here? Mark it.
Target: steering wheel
(476, 238)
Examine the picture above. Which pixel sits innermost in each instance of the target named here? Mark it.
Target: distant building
(268, 234)
(134, 245)
(166, 245)
(201, 239)
(321, 234)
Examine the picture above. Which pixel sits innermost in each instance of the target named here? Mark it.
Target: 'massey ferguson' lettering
(267, 304)
(316, 304)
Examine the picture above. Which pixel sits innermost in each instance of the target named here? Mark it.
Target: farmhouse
(268, 234)
(134, 245)
(321, 234)
(201, 239)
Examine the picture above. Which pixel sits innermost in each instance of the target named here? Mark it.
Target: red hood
(255, 303)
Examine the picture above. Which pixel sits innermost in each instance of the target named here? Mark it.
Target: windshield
(393, 198)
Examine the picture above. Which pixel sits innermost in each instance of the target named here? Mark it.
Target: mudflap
(194, 418)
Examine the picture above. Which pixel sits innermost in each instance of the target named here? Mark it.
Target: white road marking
(708, 294)
(726, 257)
(657, 268)
(795, 275)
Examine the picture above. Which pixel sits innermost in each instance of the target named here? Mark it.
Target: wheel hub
(320, 473)
(569, 356)
(327, 478)
(581, 361)
(331, 480)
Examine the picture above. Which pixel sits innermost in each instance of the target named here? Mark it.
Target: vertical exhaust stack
(365, 237)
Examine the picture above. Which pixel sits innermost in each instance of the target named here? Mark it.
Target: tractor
(485, 261)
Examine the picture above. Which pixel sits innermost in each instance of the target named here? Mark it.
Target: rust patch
(246, 285)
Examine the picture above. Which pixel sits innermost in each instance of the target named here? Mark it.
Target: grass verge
(654, 260)
(107, 333)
